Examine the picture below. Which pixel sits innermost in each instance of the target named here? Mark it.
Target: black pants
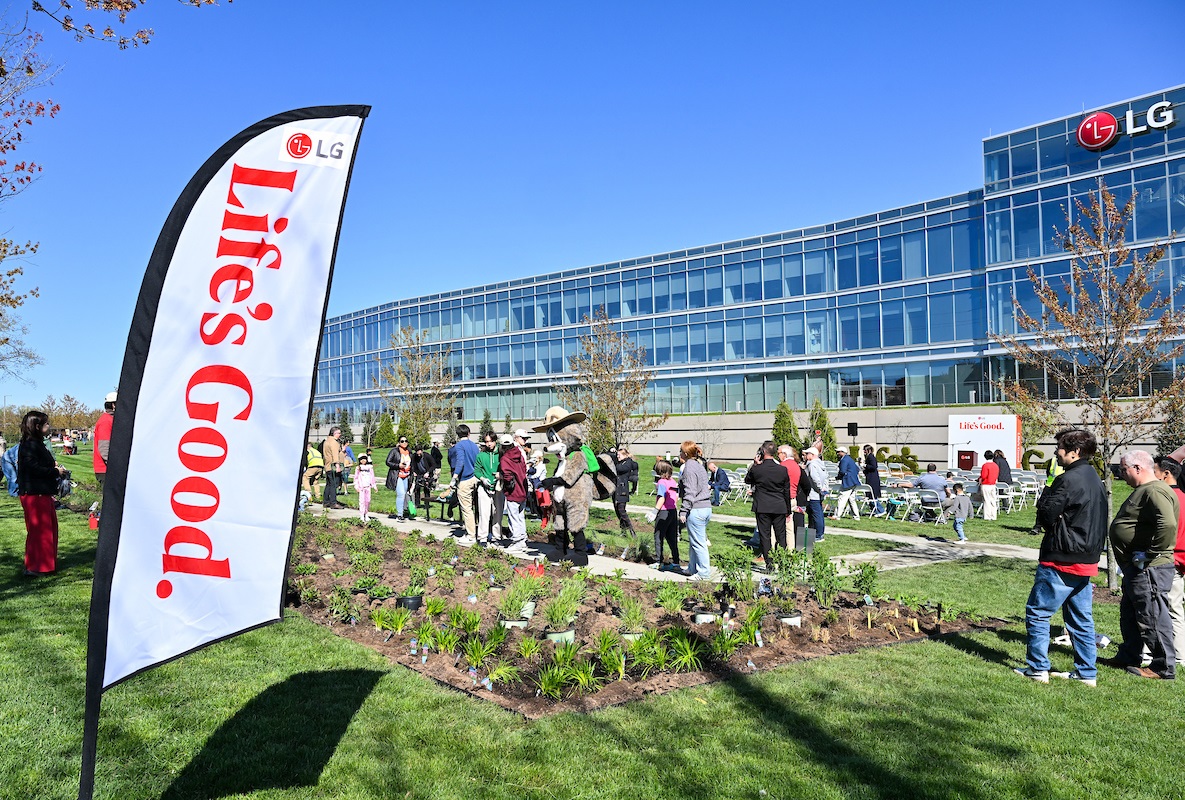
(764, 523)
(666, 528)
(1144, 617)
(623, 517)
(333, 482)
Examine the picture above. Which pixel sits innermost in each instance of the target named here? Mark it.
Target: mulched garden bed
(349, 577)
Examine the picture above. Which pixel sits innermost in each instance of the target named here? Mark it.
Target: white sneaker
(1074, 676)
(1038, 675)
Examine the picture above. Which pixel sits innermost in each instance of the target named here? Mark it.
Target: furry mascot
(571, 487)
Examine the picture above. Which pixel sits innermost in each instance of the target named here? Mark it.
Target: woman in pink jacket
(364, 481)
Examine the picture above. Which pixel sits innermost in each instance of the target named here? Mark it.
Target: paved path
(917, 551)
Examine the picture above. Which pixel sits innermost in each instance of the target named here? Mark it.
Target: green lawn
(291, 711)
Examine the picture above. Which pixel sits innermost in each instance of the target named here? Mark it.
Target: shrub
(824, 579)
(866, 578)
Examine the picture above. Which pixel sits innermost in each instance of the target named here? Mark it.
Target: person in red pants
(37, 479)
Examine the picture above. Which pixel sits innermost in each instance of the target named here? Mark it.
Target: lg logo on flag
(316, 149)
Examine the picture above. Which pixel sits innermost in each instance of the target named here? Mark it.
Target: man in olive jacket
(1143, 536)
(1073, 514)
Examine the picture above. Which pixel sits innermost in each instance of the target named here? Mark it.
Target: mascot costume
(573, 486)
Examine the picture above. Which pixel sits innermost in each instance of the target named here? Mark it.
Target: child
(364, 481)
(666, 522)
(959, 507)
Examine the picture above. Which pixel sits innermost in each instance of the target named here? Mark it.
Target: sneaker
(655, 565)
(1074, 676)
(1038, 675)
(819, 538)
(1101, 642)
(1064, 640)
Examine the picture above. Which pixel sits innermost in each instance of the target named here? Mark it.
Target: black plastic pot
(411, 602)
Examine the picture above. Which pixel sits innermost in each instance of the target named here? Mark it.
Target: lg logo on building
(316, 148)
(1099, 130)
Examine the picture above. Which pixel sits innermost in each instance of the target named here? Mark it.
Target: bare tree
(612, 383)
(418, 385)
(1103, 333)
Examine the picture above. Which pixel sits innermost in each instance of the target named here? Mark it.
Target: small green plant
(565, 653)
(366, 563)
(476, 651)
(342, 606)
(426, 633)
(865, 578)
(528, 648)
(824, 579)
(670, 597)
(447, 640)
(606, 640)
(650, 654)
(582, 675)
(497, 636)
(304, 569)
(324, 541)
(435, 606)
(831, 617)
(551, 681)
(364, 585)
(342, 573)
(503, 672)
(686, 652)
(380, 592)
(558, 613)
(757, 611)
(613, 662)
(456, 615)
(724, 644)
(310, 595)
(390, 619)
(449, 548)
(471, 622)
(736, 565)
(633, 616)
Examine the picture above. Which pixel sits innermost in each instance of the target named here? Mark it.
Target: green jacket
(486, 466)
(1146, 521)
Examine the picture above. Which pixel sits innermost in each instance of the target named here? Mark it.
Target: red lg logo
(300, 145)
(1097, 130)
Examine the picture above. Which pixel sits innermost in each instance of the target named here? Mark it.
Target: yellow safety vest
(314, 458)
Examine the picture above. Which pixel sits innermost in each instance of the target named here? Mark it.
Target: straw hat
(558, 416)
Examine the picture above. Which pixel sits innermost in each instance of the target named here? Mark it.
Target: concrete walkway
(917, 552)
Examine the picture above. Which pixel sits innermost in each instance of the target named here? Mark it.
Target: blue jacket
(849, 472)
(462, 458)
(8, 463)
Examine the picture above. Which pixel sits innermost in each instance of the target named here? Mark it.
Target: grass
(291, 711)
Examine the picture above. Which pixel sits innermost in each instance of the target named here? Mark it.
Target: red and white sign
(980, 432)
(1100, 129)
(215, 394)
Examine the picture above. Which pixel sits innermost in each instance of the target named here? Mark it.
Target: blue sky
(513, 139)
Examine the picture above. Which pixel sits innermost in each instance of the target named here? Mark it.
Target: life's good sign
(218, 377)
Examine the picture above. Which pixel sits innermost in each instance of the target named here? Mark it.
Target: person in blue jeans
(958, 507)
(1073, 515)
(816, 476)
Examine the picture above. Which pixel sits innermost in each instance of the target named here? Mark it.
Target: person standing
(627, 478)
(666, 518)
(849, 480)
(872, 477)
(423, 469)
(796, 499)
(335, 463)
(364, 482)
(1073, 515)
(37, 481)
(771, 493)
(314, 468)
(349, 459)
(815, 476)
(489, 528)
(1143, 535)
(958, 506)
(989, 473)
(1169, 471)
(462, 458)
(696, 510)
(398, 476)
(102, 440)
(513, 469)
(1001, 461)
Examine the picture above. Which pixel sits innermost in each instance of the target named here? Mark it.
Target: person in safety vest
(310, 480)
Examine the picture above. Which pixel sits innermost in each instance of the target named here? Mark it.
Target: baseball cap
(506, 440)
(110, 398)
(522, 434)
(810, 450)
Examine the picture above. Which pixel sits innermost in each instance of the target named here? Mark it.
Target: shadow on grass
(281, 739)
(974, 647)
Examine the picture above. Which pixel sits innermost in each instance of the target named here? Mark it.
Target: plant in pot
(633, 619)
(736, 565)
(413, 596)
(510, 609)
(559, 614)
(787, 611)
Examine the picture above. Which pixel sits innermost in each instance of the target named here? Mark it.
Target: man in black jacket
(1073, 514)
(771, 491)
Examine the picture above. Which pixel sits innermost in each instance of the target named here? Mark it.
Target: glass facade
(886, 309)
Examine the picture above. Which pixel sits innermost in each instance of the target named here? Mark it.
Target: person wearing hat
(513, 469)
(816, 476)
(572, 485)
(102, 439)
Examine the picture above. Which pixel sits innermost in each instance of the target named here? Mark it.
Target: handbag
(411, 506)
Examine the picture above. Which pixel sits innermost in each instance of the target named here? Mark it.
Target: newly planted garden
(537, 638)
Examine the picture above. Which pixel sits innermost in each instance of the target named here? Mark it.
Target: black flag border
(131, 376)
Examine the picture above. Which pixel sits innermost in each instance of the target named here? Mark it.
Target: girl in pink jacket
(364, 481)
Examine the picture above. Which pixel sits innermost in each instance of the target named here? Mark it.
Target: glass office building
(886, 309)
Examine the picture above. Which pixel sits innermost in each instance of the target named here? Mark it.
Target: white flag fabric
(215, 395)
